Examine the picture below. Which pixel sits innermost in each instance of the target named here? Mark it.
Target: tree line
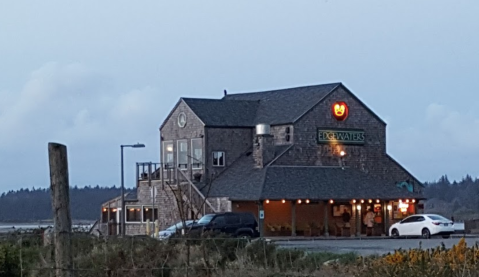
(458, 199)
(27, 205)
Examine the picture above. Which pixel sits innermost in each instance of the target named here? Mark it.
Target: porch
(327, 218)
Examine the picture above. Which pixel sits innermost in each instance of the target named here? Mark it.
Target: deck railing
(174, 176)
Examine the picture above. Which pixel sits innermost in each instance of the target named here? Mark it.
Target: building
(297, 158)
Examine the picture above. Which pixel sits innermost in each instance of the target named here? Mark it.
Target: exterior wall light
(400, 200)
(354, 201)
(370, 201)
(407, 200)
(267, 201)
(358, 207)
(331, 201)
(114, 210)
(414, 200)
(390, 207)
(307, 201)
(362, 200)
(104, 209)
(377, 200)
(283, 201)
(342, 153)
(299, 201)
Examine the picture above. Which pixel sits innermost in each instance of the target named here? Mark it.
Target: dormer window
(218, 158)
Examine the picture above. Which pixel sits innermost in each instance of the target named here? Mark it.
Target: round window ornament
(182, 120)
(340, 110)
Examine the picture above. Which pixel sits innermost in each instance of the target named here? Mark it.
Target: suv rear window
(247, 219)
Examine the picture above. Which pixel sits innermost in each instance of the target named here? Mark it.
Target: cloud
(73, 103)
(78, 106)
(442, 141)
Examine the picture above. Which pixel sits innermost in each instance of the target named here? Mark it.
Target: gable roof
(225, 113)
(285, 105)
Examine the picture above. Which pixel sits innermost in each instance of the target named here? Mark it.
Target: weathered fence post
(59, 189)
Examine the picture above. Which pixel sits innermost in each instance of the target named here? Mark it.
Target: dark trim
(362, 103)
(319, 101)
(402, 167)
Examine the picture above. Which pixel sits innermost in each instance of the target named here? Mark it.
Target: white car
(172, 229)
(424, 225)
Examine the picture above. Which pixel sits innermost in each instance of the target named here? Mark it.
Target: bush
(9, 260)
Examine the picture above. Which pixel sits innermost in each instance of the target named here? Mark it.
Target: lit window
(182, 154)
(196, 153)
(133, 213)
(218, 158)
(168, 159)
(148, 213)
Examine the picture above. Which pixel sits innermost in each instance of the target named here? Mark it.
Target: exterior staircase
(195, 203)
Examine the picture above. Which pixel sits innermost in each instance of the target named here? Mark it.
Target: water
(6, 227)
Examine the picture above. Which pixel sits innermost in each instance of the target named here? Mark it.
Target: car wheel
(245, 236)
(446, 236)
(425, 233)
(395, 233)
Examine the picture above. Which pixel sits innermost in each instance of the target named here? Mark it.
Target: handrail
(198, 192)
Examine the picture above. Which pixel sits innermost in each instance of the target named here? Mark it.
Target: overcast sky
(97, 74)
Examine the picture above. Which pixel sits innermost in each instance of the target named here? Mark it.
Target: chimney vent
(262, 129)
(225, 92)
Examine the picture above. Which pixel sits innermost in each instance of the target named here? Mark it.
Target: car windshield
(438, 217)
(206, 219)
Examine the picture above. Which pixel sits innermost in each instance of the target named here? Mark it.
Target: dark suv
(235, 224)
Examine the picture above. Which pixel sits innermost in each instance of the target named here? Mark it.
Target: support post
(60, 194)
(293, 218)
(261, 218)
(386, 220)
(326, 220)
(358, 220)
(385, 216)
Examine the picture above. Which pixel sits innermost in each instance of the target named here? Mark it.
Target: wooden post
(293, 218)
(326, 220)
(59, 189)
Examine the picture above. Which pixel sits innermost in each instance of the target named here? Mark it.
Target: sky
(97, 74)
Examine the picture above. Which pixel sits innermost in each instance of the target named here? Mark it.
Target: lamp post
(122, 213)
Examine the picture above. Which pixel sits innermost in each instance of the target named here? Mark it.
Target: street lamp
(123, 214)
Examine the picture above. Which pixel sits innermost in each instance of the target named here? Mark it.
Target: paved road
(370, 246)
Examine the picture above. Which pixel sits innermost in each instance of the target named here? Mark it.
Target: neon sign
(340, 111)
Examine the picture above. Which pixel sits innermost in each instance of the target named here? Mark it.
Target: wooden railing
(194, 196)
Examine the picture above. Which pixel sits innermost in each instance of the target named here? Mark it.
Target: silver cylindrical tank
(262, 129)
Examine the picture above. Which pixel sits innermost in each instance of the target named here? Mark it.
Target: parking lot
(373, 246)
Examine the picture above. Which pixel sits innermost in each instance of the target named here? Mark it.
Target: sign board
(261, 214)
(341, 136)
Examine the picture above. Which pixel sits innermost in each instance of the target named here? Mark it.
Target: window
(133, 214)
(219, 220)
(182, 154)
(218, 158)
(196, 153)
(147, 213)
(232, 219)
(168, 159)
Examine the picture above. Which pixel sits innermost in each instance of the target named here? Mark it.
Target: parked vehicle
(232, 223)
(168, 232)
(424, 225)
